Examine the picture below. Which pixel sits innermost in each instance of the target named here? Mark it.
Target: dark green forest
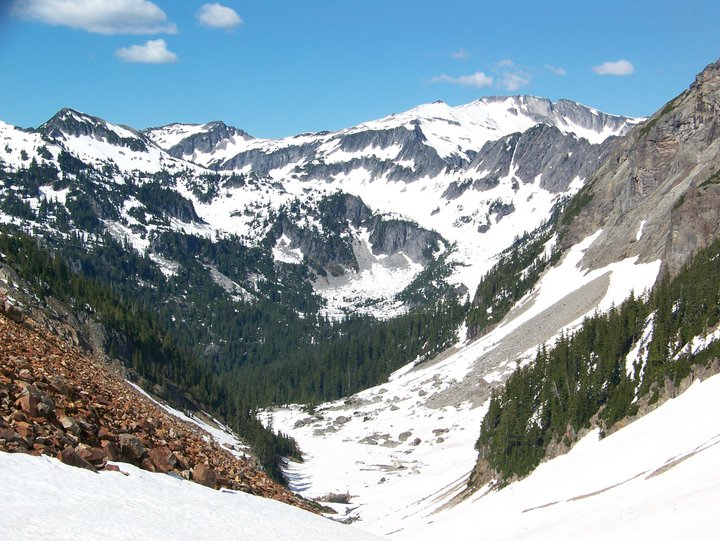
(228, 356)
(583, 378)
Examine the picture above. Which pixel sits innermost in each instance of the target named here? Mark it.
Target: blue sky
(277, 68)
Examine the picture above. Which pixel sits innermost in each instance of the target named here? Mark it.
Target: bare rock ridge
(657, 195)
(56, 400)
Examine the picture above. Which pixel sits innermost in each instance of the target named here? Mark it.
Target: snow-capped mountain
(449, 131)
(510, 159)
(455, 184)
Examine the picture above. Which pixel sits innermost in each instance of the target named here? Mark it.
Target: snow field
(657, 478)
(43, 498)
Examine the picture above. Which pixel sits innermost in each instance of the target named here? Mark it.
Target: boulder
(203, 474)
(112, 450)
(14, 313)
(28, 404)
(131, 446)
(96, 456)
(162, 458)
(69, 424)
(72, 458)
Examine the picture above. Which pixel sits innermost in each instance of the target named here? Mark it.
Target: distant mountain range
(442, 177)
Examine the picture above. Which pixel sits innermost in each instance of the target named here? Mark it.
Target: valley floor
(657, 478)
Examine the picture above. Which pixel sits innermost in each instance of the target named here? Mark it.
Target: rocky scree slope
(57, 400)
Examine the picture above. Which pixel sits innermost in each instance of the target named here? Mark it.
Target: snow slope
(45, 499)
(657, 478)
(408, 445)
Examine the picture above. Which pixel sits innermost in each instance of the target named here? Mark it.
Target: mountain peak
(68, 122)
(185, 140)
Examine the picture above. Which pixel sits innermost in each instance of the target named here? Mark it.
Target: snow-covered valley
(469, 240)
(406, 448)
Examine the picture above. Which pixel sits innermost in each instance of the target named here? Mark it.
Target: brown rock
(112, 450)
(175, 446)
(131, 446)
(147, 464)
(69, 424)
(58, 384)
(97, 457)
(162, 458)
(71, 458)
(106, 434)
(8, 434)
(44, 410)
(14, 313)
(28, 404)
(181, 461)
(204, 475)
(25, 430)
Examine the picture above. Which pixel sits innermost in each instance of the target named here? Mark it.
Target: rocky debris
(56, 400)
(12, 311)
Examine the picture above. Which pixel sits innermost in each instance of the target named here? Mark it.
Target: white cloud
(621, 67)
(510, 76)
(477, 79)
(154, 51)
(555, 69)
(99, 16)
(513, 81)
(460, 54)
(217, 16)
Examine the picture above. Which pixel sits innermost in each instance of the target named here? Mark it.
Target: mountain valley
(493, 317)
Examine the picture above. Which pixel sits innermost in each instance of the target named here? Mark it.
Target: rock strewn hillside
(56, 400)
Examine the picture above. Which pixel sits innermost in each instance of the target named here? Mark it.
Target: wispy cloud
(99, 16)
(154, 51)
(477, 79)
(621, 67)
(460, 54)
(218, 16)
(555, 69)
(510, 76)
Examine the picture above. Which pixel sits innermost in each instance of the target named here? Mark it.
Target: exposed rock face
(393, 236)
(68, 122)
(658, 193)
(329, 248)
(541, 152)
(216, 135)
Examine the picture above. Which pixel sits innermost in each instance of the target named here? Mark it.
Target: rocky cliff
(657, 195)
